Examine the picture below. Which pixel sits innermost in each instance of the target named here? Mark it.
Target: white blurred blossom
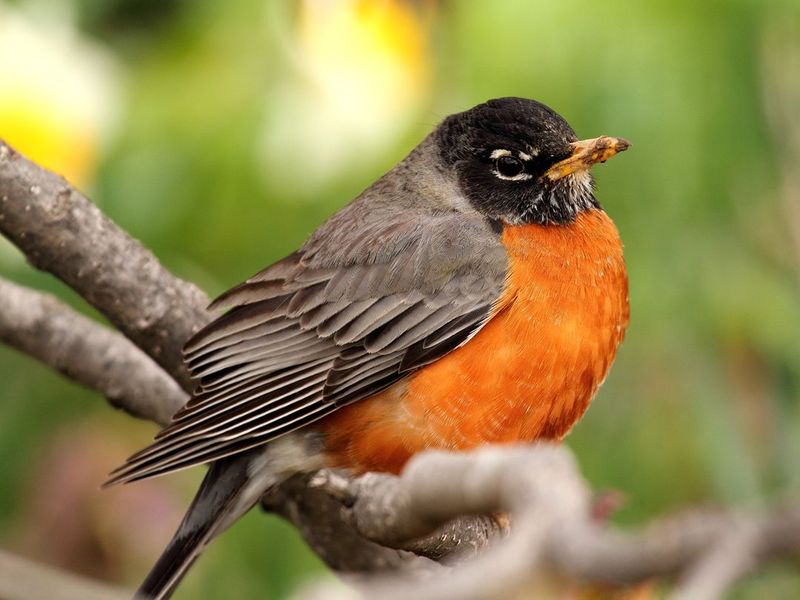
(362, 72)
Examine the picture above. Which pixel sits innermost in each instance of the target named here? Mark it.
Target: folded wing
(336, 322)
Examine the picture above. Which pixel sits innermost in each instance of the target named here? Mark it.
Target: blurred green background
(221, 133)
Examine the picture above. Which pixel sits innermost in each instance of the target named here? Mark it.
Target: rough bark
(365, 525)
(553, 530)
(63, 233)
(85, 351)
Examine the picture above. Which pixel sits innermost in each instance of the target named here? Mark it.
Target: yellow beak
(586, 153)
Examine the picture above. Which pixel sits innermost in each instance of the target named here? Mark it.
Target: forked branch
(376, 523)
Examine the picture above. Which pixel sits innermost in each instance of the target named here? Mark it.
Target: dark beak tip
(622, 144)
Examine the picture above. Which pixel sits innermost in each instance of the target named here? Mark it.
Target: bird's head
(518, 161)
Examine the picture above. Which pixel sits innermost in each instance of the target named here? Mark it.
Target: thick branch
(60, 231)
(63, 233)
(44, 328)
(319, 518)
(552, 529)
(460, 537)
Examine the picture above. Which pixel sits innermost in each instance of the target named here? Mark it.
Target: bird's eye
(508, 166)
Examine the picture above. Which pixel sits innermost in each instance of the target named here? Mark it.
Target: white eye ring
(520, 177)
(499, 153)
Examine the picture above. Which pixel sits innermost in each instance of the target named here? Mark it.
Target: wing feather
(376, 316)
(354, 311)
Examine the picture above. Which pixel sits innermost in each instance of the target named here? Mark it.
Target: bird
(475, 294)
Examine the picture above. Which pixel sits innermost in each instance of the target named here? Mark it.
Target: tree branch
(61, 232)
(552, 529)
(85, 351)
(320, 519)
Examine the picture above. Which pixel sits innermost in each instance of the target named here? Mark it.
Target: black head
(519, 161)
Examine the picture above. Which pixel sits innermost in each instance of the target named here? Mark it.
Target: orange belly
(529, 374)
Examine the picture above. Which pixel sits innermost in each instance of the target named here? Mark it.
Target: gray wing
(361, 305)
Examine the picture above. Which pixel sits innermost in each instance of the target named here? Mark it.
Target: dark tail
(223, 497)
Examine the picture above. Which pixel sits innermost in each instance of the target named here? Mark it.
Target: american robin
(474, 294)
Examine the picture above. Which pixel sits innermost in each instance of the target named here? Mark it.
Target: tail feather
(232, 486)
(171, 567)
(224, 496)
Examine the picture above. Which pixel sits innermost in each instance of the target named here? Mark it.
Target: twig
(41, 326)
(745, 543)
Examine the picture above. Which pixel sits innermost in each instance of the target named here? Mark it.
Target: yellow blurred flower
(362, 53)
(58, 94)
(363, 72)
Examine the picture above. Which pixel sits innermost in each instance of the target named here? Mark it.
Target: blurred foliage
(702, 404)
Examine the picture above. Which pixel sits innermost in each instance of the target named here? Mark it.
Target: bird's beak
(586, 153)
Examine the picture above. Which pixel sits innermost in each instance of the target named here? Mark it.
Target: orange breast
(529, 374)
